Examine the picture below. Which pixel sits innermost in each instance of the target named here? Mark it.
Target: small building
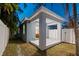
(43, 29)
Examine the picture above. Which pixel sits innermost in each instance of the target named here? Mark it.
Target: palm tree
(68, 17)
(7, 15)
(76, 28)
(74, 19)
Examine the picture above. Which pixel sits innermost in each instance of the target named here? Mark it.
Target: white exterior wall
(68, 35)
(55, 34)
(4, 36)
(30, 31)
(59, 32)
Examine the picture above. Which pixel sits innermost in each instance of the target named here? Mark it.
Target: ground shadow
(43, 53)
(16, 41)
(39, 52)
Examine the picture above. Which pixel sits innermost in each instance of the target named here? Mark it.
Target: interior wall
(37, 30)
(47, 31)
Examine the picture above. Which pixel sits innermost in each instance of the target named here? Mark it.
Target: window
(52, 27)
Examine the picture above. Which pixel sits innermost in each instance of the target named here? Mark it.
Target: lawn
(27, 49)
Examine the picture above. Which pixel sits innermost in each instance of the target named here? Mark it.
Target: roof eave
(47, 12)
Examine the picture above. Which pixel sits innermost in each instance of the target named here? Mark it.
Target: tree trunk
(76, 29)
